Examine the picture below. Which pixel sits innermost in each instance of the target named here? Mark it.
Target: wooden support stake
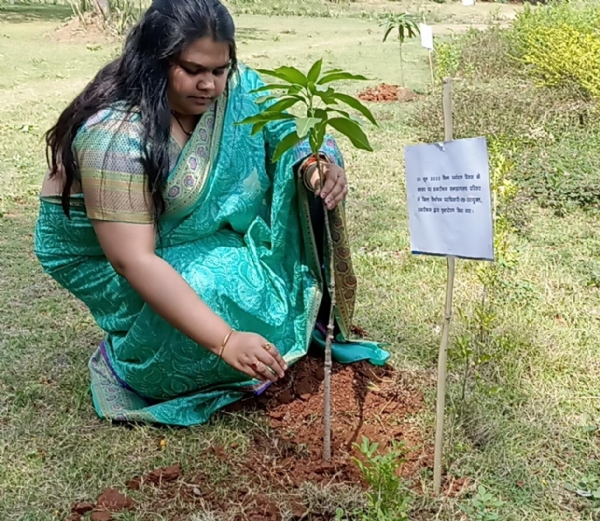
(443, 354)
(330, 329)
(431, 70)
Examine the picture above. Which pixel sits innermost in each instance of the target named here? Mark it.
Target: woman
(195, 254)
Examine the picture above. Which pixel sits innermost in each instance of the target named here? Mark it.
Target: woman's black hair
(139, 79)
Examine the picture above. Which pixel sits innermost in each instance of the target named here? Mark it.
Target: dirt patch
(386, 93)
(102, 515)
(156, 477)
(109, 502)
(366, 401)
(82, 508)
(88, 29)
(112, 499)
(377, 402)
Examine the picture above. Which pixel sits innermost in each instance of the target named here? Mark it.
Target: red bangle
(312, 160)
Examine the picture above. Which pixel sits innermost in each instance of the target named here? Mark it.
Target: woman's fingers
(273, 351)
(280, 360)
(331, 174)
(265, 358)
(253, 355)
(337, 194)
(335, 188)
(264, 370)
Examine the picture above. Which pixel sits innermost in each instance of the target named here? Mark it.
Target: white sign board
(449, 201)
(468, 2)
(426, 36)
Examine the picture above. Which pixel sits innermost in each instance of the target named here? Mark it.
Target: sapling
(319, 106)
(406, 27)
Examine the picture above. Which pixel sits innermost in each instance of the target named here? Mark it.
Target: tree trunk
(402, 83)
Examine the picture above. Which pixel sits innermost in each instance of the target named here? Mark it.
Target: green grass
(16, 13)
(524, 444)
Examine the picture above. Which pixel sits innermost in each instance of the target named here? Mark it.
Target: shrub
(448, 57)
(559, 45)
(483, 55)
(552, 135)
(552, 139)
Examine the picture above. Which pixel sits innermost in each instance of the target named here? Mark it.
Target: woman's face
(198, 76)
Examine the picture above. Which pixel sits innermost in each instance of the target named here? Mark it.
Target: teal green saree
(242, 231)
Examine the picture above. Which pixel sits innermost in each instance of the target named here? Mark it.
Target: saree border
(345, 280)
(189, 177)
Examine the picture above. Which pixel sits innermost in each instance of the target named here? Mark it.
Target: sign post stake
(426, 32)
(443, 353)
(431, 69)
(450, 215)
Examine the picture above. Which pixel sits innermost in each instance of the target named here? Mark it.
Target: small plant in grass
(322, 106)
(388, 496)
(481, 345)
(587, 487)
(484, 506)
(406, 27)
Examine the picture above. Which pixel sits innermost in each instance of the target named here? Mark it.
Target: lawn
(526, 444)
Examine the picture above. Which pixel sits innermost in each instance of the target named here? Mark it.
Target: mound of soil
(87, 29)
(109, 502)
(385, 93)
(366, 401)
(376, 402)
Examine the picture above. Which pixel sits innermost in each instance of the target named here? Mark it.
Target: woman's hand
(335, 189)
(253, 355)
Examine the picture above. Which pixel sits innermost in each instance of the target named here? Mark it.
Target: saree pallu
(238, 228)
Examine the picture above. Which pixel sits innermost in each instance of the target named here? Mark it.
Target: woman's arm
(130, 250)
(118, 204)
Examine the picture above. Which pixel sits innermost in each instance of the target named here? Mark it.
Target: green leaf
(338, 76)
(305, 125)
(287, 143)
(352, 131)
(389, 29)
(340, 112)
(315, 71)
(326, 96)
(318, 136)
(272, 86)
(356, 105)
(264, 99)
(285, 73)
(321, 114)
(252, 120)
(257, 127)
(265, 117)
(282, 105)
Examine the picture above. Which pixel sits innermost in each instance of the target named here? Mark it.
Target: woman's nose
(206, 81)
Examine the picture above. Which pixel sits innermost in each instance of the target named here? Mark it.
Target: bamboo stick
(443, 353)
